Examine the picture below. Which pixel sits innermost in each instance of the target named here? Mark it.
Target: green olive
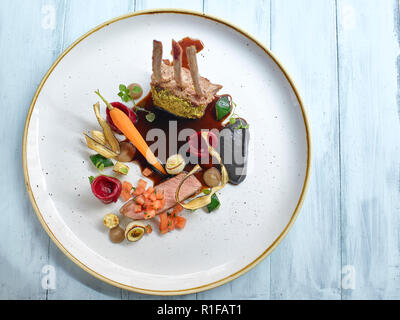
(117, 235)
(135, 90)
(212, 177)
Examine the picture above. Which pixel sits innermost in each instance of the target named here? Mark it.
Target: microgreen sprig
(234, 117)
(125, 95)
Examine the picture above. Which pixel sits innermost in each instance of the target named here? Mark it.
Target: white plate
(214, 248)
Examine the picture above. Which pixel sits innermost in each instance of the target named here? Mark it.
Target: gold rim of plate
(209, 285)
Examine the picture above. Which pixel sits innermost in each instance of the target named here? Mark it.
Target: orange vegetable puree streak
(123, 123)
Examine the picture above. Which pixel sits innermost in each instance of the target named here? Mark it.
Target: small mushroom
(135, 90)
(135, 231)
(128, 152)
(117, 235)
(212, 177)
(111, 220)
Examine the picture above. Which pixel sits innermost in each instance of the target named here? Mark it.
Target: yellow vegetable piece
(99, 137)
(121, 168)
(109, 135)
(99, 148)
(135, 231)
(111, 221)
(175, 164)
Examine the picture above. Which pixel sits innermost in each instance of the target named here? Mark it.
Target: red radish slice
(129, 112)
(106, 189)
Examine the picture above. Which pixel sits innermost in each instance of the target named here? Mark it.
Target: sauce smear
(166, 122)
(187, 42)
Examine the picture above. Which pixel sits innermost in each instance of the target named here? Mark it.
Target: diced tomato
(157, 204)
(149, 229)
(140, 200)
(152, 197)
(142, 184)
(138, 208)
(180, 222)
(147, 172)
(138, 191)
(163, 222)
(127, 186)
(148, 203)
(126, 190)
(159, 195)
(148, 192)
(162, 203)
(149, 214)
(178, 208)
(125, 195)
(171, 223)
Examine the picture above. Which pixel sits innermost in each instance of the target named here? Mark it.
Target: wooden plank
(307, 263)
(196, 5)
(254, 17)
(83, 16)
(368, 38)
(27, 48)
(73, 282)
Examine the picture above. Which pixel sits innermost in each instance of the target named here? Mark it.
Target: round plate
(213, 248)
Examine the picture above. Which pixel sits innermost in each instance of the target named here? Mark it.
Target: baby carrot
(123, 123)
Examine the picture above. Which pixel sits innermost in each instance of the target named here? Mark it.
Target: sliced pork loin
(189, 188)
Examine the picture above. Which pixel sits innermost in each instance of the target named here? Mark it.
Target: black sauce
(234, 139)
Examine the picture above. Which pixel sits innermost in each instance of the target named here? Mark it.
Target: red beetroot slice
(129, 112)
(106, 189)
(198, 147)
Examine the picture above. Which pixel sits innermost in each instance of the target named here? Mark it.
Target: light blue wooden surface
(342, 54)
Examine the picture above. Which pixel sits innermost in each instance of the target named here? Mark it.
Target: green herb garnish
(214, 204)
(150, 117)
(91, 179)
(234, 117)
(101, 162)
(124, 93)
(242, 124)
(223, 107)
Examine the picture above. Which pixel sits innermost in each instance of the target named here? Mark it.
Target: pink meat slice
(189, 188)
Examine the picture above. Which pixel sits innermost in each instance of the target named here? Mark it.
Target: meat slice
(157, 58)
(194, 69)
(177, 55)
(189, 188)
